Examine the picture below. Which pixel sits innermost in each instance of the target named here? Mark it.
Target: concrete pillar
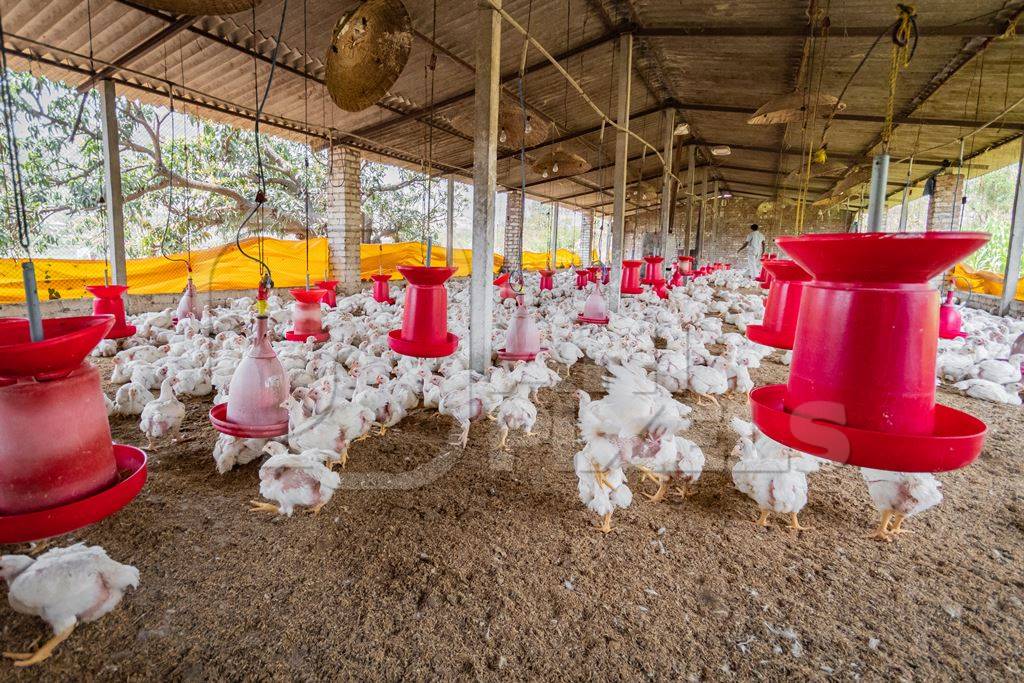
(554, 236)
(624, 78)
(586, 236)
(513, 230)
(668, 136)
(944, 206)
(112, 185)
(691, 179)
(485, 167)
(1016, 248)
(344, 216)
(449, 242)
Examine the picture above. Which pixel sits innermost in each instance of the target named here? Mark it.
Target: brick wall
(513, 230)
(944, 205)
(344, 217)
(586, 235)
(733, 225)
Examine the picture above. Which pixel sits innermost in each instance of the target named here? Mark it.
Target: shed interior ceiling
(715, 62)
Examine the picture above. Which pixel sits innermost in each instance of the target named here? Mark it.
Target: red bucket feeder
(257, 390)
(504, 290)
(109, 302)
(950, 321)
(862, 380)
(306, 319)
(593, 272)
(582, 279)
(685, 265)
(382, 288)
(331, 287)
(424, 332)
(631, 277)
(655, 272)
(523, 339)
(547, 280)
(595, 309)
(59, 470)
(780, 311)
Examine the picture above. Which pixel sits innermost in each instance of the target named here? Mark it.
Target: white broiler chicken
(707, 382)
(468, 404)
(898, 495)
(131, 399)
(989, 391)
(516, 412)
(230, 451)
(295, 480)
(162, 415)
(62, 587)
(776, 484)
(601, 483)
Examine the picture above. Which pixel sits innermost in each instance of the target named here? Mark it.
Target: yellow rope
(902, 38)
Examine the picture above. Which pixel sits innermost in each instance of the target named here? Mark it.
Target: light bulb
(544, 174)
(554, 168)
(527, 127)
(502, 136)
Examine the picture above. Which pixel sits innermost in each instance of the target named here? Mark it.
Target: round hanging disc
(368, 51)
(200, 8)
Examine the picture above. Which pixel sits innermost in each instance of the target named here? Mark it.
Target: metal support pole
(449, 244)
(1016, 248)
(703, 213)
(715, 205)
(112, 185)
(623, 76)
(876, 199)
(690, 179)
(906, 197)
(485, 165)
(666, 180)
(554, 237)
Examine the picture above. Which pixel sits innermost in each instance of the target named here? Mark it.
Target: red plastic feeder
(655, 271)
(595, 309)
(547, 280)
(306, 319)
(861, 386)
(505, 291)
(631, 277)
(59, 470)
(382, 288)
(593, 271)
(424, 332)
(257, 390)
(780, 311)
(523, 339)
(950, 321)
(109, 302)
(685, 264)
(582, 279)
(331, 287)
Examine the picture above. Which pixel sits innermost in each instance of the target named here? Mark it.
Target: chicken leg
(882, 533)
(763, 519)
(23, 659)
(794, 523)
(897, 527)
(504, 438)
(260, 506)
(606, 525)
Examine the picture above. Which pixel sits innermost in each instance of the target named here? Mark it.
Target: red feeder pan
(631, 277)
(66, 343)
(523, 339)
(582, 279)
(424, 332)
(861, 387)
(257, 390)
(547, 280)
(331, 287)
(595, 309)
(780, 311)
(593, 271)
(306, 320)
(950, 322)
(109, 302)
(382, 288)
(655, 270)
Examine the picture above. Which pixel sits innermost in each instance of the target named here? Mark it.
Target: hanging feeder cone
(950, 320)
(382, 288)
(780, 311)
(631, 277)
(55, 480)
(547, 281)
(109, 302)
(654, 272)
(306, 316)
(595, 309)
(522, 342)
(794, 107)
(861, 387)
(368, 51)
(331, 287)
(257, 390)
(424, 332)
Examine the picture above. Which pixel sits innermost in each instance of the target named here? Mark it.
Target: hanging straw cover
(568, 164)
(200, 8)
(368, 51)
(796, 106)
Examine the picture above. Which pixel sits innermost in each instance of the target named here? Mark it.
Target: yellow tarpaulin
(982, 281)
(224, 268)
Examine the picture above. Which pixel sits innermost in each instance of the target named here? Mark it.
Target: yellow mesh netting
(224, 268)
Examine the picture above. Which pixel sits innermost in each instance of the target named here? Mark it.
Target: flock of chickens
(353, 386)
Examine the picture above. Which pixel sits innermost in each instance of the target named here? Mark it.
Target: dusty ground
(490, 569)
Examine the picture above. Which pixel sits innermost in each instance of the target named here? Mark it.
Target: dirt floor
(435, 562)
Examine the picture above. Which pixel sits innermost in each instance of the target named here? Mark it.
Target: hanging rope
(170, 184)
(305, 148)
(904, 45)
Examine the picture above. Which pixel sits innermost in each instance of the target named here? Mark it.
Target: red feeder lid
(308, 296)
(66, 343)
(34, 526)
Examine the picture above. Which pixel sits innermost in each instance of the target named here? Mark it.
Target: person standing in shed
(755, 244)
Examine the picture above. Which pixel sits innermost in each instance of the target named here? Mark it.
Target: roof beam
(145, 47)
(839, 156)
(803, 30)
